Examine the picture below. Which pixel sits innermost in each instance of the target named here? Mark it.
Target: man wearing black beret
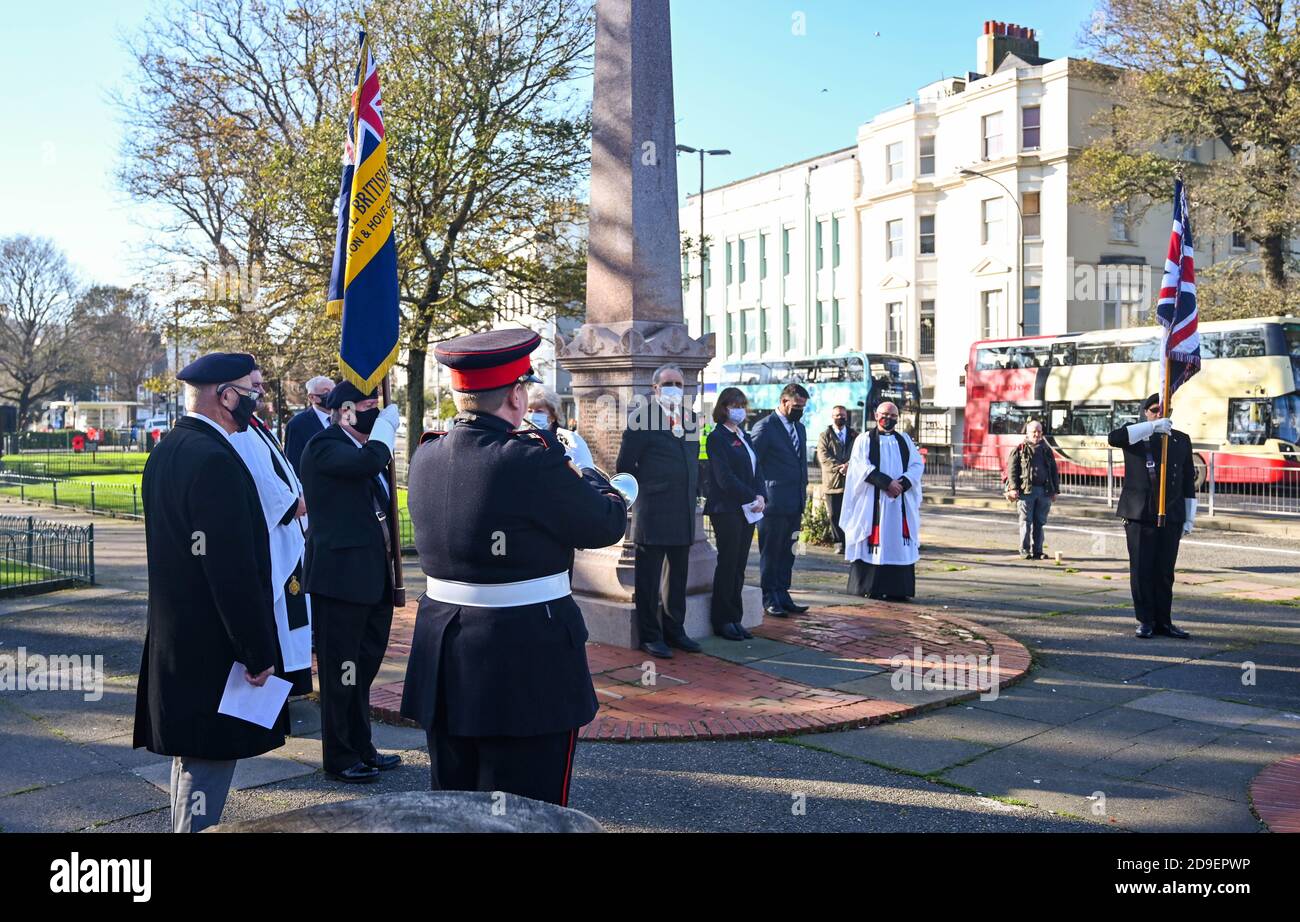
(344, 471)
(1152, 547)
(210, 595)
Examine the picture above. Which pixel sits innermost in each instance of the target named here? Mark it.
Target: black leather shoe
(776, 611)
(1170, 631)
(743, 630)
(385, 761)
(1144, 631)
(657, 648)
(684, 643)
(790, 606)
(730, 631)
(360, 773)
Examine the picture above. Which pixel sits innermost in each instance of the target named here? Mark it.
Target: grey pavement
(1106, 733)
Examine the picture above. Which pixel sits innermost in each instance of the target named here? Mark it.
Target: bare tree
(37, 290)
(120, 338)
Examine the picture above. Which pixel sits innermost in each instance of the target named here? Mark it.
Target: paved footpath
(1105, 732)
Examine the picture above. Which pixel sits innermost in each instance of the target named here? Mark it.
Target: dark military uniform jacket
(1140, 498)
(210, 599)
(667, 468)
(492, 505)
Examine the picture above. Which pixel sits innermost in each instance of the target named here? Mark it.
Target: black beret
(344, 392)
(486, 361)
(217, 368)
(1152, 401)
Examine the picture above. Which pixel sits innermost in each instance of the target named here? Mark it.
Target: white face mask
(737, 415)
(540, 420)
(671, 395)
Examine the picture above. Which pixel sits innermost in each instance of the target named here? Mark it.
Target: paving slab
(31, 756)
(1089, 688)
(976, 725)
(69, 715)
(1093, 737)
(907, 745)
(1223, 768)
(80, 803)
(1271, 680)
(746, 651)
(1150, 750)
(816, 668)
(1038, 704)
(882, 687)
(1202, 709)
(249, 773)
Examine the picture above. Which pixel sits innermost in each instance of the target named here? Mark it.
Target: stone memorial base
(614, 622)
(424, 811)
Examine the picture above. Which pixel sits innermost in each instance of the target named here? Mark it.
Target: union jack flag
(1176, 308)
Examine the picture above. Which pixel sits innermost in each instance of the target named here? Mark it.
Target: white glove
(577, 451)
(385, 428)
(1139, 432)
(1191, 515)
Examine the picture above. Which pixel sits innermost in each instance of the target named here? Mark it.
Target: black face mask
(243, 411)
(887, 424)
(366, 420)
(840, 423)
(794, 414)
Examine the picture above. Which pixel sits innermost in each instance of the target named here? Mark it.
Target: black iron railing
(39, 556)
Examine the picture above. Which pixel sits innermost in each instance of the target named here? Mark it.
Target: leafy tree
(1221, 75)
(119, 332)
(37, 349)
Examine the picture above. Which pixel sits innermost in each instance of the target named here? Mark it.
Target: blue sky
(744, 79)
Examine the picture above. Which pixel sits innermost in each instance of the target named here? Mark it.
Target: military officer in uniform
(349, 572)
(1153, 548)
(210, 596)
(498, 672)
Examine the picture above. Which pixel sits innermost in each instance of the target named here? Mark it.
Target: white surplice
(860, 499)
(288, 542)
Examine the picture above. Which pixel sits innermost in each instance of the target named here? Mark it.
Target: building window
(926, 165)
(1121, 306)
(708, 267)
(991, 220)
(728, 254)
(741, 261)
(1239, 240)
(708, 322)
(818, 246)
(1031, 206)
(686, 271)
(1030, 323)
(893, 161)
(1121, 230)
(819, 320)
(990, 314)
(894, 327)
(926, 337)
(764, 330)
(749, 331)
(1029, 127)
(785, 251)
(893, 238)
(992, 135)
(835, 243)
(731, 334)
(837, 330)
(787, 329)
(762, 256)
(926, 246)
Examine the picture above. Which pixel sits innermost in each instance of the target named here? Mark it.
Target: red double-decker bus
(1244, 405)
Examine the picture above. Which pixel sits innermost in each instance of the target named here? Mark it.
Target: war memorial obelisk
(634, 319)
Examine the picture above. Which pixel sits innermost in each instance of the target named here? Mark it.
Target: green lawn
(42, 464)
(13, 573)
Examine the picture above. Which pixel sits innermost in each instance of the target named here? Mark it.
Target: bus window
(1147, 351)
(1291, 331)
(1010, 418)
(1091, 353)
(1063, 354)
(1210, 345)
(1242, 344)
(1286, 416)
(1126, 413)
(1248, 421)
(991, 358)
(1058, 419)
(1090, 421)
(780, 373)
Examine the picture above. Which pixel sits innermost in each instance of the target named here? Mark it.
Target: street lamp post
(684, 149)
(1020, 237)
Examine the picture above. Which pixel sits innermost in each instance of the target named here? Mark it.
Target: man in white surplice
(881, 515)
(284, 510)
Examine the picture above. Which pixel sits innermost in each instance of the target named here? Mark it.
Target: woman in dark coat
(735, 482)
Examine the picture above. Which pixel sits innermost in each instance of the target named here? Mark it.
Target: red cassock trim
(486, 379)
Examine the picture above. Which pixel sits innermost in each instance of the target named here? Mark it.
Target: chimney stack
(1000, 39)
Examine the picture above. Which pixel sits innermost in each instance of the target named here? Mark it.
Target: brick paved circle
(698, 696)
(1275, 795)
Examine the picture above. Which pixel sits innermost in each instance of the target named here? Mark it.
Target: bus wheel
(1202, 472)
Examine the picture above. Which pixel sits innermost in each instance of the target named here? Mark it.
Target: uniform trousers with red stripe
(539, 767)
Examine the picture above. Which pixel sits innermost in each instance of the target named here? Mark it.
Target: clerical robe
(882, 534)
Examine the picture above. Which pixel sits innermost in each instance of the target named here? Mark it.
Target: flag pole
(394, 522)
(1164, 451)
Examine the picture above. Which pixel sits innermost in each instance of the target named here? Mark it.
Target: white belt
(500, 595)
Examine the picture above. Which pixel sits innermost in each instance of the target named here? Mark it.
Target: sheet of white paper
(248, 702)
(750, 515)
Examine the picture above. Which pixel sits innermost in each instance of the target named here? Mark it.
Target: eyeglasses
(888, 416)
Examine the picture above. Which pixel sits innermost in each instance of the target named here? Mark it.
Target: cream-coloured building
(910, 241)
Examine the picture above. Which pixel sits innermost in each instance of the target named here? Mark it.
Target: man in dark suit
(307, 422)
(660, 448)
(349, 572)
(833, 451)
(781, 441)
(498, 673)
(1152, 547)
(210, 596)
